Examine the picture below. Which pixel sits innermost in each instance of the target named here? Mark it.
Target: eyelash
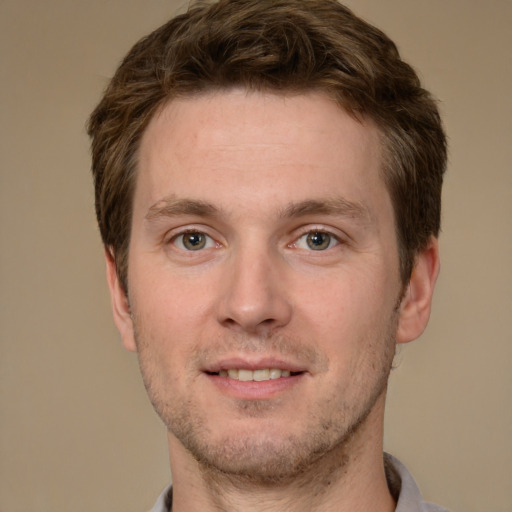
(207, 242)
(333, 240)
(179, 240)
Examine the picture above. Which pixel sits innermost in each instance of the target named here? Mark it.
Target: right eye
(193, 241)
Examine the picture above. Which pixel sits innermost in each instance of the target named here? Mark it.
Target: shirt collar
(401, 485)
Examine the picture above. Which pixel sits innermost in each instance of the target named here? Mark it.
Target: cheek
(347, 311)
(160, 347)
(170, 314)
(343, 296)
(161, 293)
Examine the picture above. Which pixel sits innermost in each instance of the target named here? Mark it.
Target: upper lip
(253, 364)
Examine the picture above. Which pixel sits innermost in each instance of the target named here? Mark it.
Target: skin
(254, 177)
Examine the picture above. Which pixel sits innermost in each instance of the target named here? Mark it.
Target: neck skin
(349, 478)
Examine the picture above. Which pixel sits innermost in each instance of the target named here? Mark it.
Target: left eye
(193, 241)
(316, 241)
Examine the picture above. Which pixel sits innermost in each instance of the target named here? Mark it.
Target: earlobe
(120, 305)
(417, 301)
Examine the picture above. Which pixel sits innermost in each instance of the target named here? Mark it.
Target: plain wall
(77, 430)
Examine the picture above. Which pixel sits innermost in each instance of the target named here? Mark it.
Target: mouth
(250, 379)
(259, 375)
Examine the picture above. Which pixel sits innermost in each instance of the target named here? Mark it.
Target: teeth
(245, 375)
(256, 375)
(260, 375)
(275, 374)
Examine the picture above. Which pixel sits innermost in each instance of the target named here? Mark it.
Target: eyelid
(339, 236)
(172, 235)
(178, 241)
(303, 242)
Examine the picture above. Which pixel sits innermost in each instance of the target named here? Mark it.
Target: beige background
(77, 431)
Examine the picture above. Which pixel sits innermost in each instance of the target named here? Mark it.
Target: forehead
(244, 145)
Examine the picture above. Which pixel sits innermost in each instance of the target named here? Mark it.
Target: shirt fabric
(401, 484)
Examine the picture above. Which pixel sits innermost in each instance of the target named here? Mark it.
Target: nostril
(250, 324)
(252, 305)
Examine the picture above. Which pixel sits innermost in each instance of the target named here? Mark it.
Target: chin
(263, 452)
(259, 459)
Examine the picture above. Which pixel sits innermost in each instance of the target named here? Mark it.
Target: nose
(254, 295)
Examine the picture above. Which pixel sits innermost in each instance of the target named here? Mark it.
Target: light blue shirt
(400, 481)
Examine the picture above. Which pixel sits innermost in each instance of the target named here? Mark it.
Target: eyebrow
(173, 207)
(333, 206)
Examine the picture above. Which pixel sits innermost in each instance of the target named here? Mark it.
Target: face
(263, 282)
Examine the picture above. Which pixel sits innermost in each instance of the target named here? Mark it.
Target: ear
(120, 304)
(416, 304)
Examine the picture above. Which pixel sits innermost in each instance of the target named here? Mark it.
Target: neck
(350, 477)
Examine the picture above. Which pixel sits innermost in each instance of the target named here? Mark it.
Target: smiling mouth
(255, 375)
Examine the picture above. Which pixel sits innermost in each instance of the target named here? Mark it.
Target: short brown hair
(278, 46)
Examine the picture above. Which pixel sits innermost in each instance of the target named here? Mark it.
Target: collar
(401, 485)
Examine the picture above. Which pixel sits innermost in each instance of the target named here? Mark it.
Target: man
(268, 179)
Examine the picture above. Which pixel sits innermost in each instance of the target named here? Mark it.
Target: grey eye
(318, 241)
(193, 241)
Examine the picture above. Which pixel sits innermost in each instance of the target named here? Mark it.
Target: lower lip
(255, 390)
